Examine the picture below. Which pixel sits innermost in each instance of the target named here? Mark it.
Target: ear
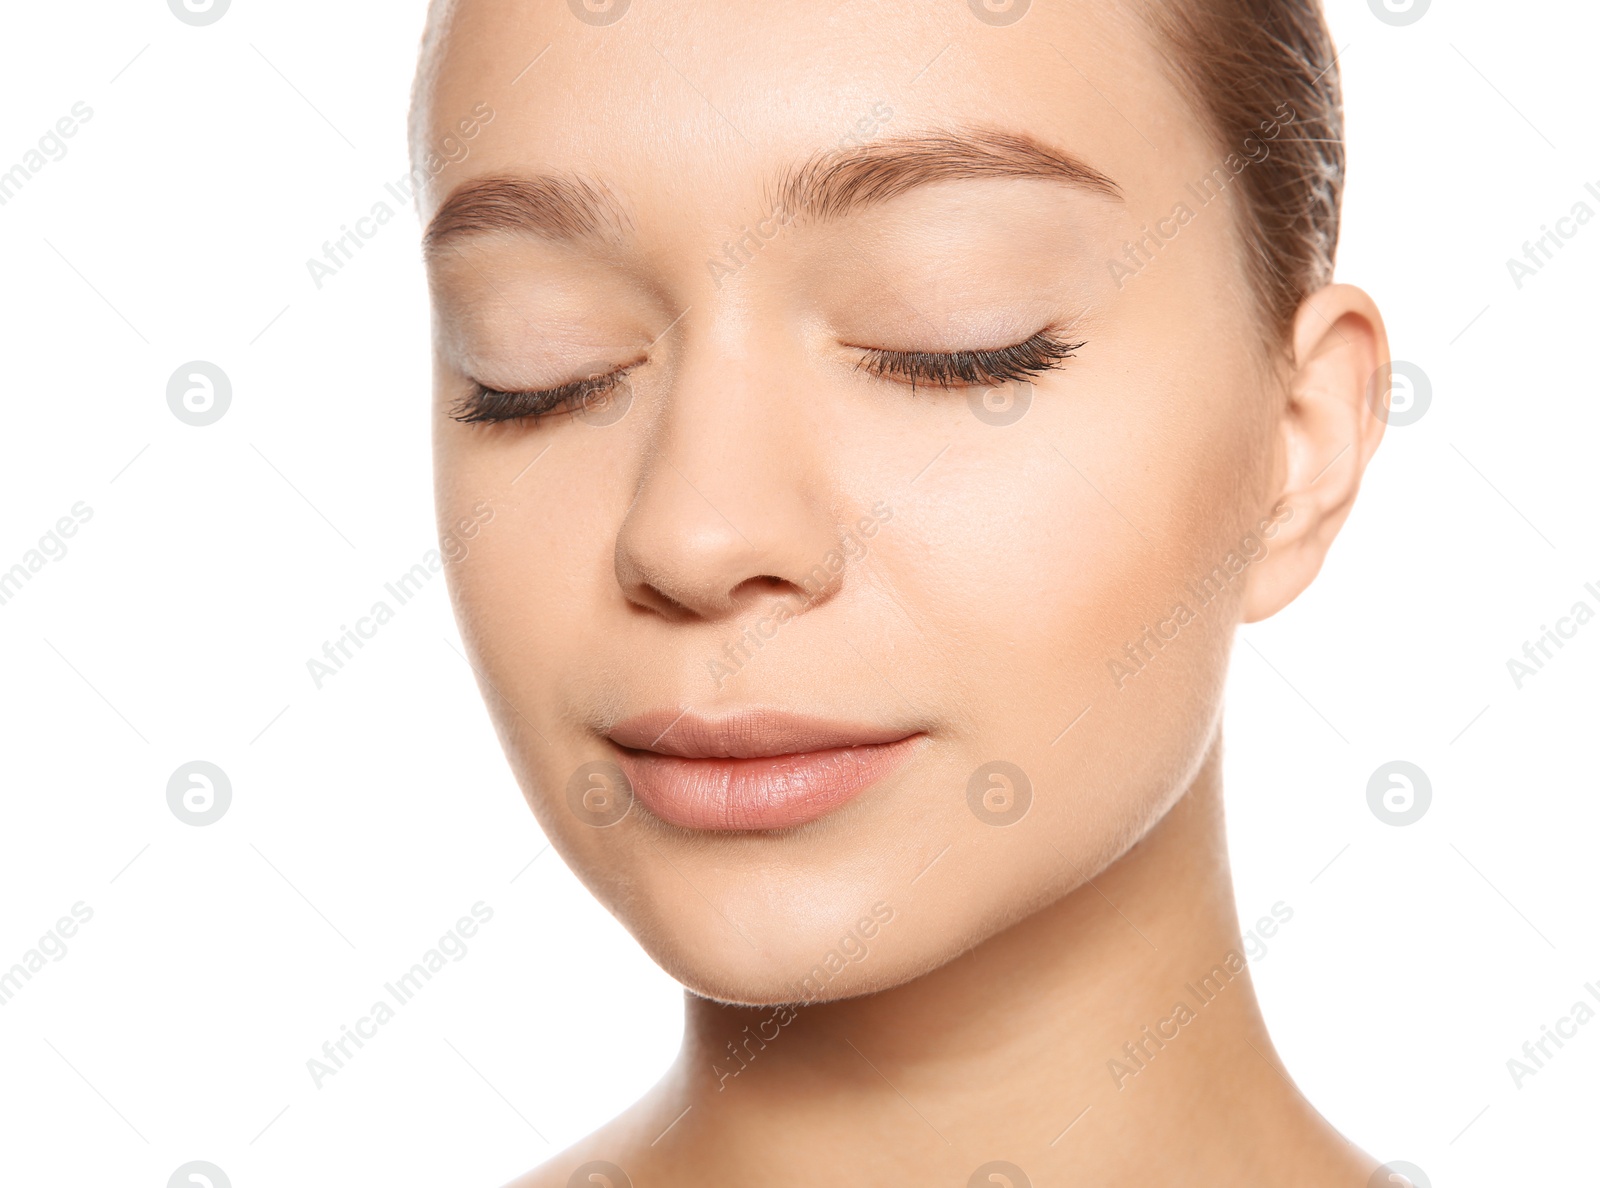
(1332, 421)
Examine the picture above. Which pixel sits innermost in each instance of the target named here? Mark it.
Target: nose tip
(681, 574)
(713, 547)
(734, 503)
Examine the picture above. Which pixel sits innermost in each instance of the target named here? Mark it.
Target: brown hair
(1237, 61)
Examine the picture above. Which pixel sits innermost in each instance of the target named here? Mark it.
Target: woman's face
(1012, 595)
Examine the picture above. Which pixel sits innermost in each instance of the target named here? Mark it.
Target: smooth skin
(1012, 962)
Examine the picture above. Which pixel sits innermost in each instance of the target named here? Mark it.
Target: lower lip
(770, 792)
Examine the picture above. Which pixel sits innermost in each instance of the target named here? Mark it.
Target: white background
(369, 815)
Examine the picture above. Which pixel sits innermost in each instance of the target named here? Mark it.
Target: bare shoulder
(618, 1155)
(1333, 1161)
(584, 1165)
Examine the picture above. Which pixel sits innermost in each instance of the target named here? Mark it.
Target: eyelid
(980, 367)
(485, 405)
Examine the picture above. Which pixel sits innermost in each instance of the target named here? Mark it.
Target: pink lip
(759, 769)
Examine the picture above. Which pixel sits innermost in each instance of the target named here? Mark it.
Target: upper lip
(744, 734)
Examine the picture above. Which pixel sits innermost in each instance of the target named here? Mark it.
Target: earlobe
(1332, 421)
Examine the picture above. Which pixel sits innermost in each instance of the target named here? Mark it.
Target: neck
(1121, 1011)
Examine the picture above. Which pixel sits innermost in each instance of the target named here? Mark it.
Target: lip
(755, 769)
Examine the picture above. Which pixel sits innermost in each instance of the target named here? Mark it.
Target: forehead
(695, 109)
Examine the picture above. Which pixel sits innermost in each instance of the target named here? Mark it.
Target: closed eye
(988, 367)
(486, 406)
(971, 368)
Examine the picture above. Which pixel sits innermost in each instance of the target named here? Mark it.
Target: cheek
(1054, 571)
(1046, 551)
(526, 590)
(527, 597)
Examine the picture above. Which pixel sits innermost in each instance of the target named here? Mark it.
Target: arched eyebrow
(556, 208)
(831, 185)
(838, 183)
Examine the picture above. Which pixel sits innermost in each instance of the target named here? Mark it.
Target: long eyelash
(485, 405)
(982, 368)
(986, 368)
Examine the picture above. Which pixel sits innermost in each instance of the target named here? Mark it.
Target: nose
(732, 502)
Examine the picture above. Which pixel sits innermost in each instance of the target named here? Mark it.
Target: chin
(768, 958)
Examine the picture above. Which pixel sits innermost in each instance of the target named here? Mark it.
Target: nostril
(649, 598)
(755, 587)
